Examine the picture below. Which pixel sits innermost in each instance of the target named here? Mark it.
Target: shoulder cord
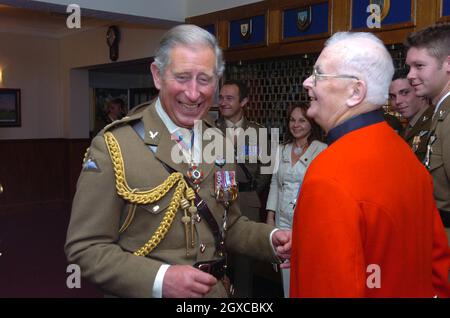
(182, 191)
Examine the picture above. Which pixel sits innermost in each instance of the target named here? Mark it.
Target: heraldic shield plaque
(246, 29)
(304, 16)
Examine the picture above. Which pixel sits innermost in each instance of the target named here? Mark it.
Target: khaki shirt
(439, 155)
(417, 135)
(249, 201)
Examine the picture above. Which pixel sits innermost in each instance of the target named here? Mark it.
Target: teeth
(190, 106)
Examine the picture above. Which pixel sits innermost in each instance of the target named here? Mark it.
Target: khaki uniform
(439, 159)
(417, 136)
(106, 256)
(252, 185)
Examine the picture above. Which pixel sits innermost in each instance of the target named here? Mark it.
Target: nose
(192, 90)
(308, 83)
(411, 74)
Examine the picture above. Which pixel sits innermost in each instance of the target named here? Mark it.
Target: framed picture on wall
(100, 99)
(9, 107)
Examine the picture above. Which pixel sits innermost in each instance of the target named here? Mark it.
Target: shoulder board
(139, 108)
(118, 123)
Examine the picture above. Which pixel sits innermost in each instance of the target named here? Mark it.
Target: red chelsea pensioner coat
(368, 200)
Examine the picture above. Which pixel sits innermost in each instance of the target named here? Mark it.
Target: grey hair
(191, 36)
(371, 63)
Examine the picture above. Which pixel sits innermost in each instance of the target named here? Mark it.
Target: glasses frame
(315, 74)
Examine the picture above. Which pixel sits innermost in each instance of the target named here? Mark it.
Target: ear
(156, 75)
(447, 64)
(244, 102)
(358, 92)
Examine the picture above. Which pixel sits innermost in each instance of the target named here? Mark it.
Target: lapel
(421, 123)
(441, 113)
(156, 134)
(220, 123)
(244, 123)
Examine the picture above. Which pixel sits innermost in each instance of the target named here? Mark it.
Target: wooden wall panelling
(423, 13)
(340, 15)
(39, 173)
(443, 10)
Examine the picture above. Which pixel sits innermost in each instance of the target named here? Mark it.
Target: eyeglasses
(315, 74)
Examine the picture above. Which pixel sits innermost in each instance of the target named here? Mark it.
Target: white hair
(364, 55)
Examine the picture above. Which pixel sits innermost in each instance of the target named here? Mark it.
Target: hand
(184, 281)
(281, 240)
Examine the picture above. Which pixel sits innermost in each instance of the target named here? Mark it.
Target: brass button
(202, 248)
(155, 208)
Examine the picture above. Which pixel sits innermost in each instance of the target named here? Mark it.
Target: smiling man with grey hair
(353, 221)
(143, 225)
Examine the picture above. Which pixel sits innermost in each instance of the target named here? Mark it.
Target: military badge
(90, 164)
(225, 186)
(246, 29)
(220, 162)
(415, 143)
(195, 175)
(304, 18)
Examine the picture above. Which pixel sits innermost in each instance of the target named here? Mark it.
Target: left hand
(281, 240)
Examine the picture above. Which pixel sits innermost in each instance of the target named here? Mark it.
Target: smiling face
(428, 76)
(187, 87)
(403, 98)
(299, 125)
(328, 95)
(229, 105)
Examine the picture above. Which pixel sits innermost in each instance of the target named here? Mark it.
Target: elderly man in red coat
(357, 232)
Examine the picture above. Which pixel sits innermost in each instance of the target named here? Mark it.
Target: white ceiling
(48, 17)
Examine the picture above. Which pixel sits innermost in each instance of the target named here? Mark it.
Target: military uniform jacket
(417, 136)
(439, 164)
(249, 201)
(105, 256)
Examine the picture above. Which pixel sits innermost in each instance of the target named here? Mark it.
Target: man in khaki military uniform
(429, 60)
(415, 109)
(253, 184)
(137, 226)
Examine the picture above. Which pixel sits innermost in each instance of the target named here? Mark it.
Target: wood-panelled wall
(39, 173)
(424, 13)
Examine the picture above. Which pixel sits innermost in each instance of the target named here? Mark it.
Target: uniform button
(202, 248)
(155, 208)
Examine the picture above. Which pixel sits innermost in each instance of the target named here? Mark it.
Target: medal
(196, 176)
(225, 188)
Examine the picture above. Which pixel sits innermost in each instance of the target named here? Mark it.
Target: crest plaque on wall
(246, 29)
(304, 17)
